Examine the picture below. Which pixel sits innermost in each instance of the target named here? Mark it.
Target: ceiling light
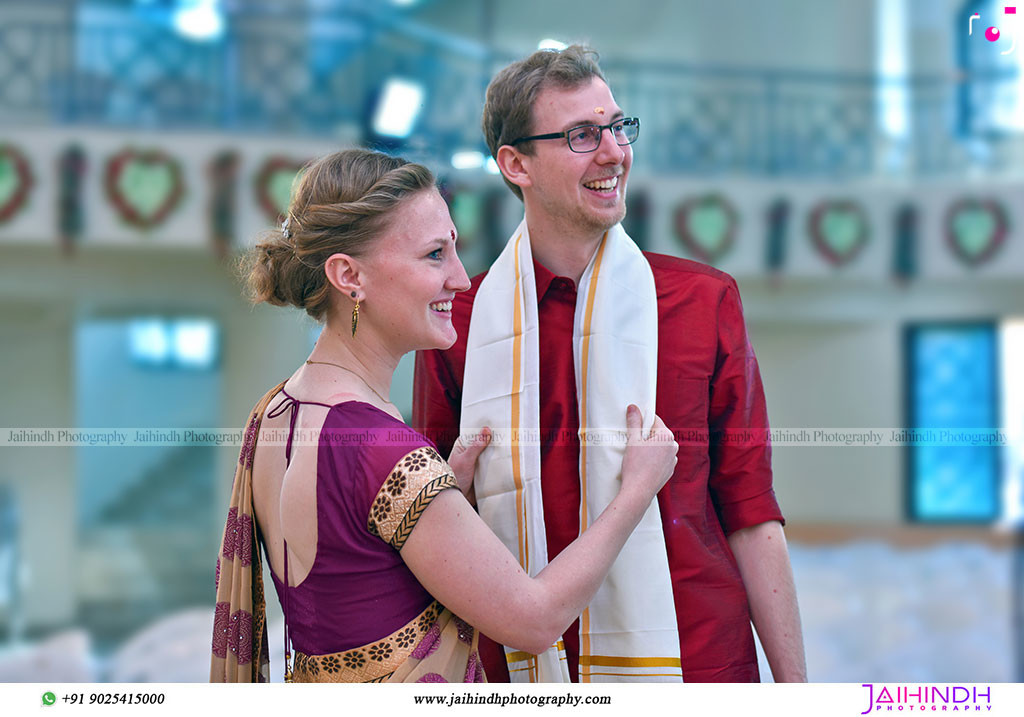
(200, 20)
(400, 105)
(468, 159)
(551, 44)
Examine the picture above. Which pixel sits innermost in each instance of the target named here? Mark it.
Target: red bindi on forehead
(453, 235)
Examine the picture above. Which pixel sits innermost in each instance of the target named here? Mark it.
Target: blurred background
(856, 166)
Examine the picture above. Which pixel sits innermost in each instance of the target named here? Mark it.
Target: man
(532, 345)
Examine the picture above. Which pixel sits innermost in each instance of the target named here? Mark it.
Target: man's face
(582, 191)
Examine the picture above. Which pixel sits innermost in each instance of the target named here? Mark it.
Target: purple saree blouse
(359, 588)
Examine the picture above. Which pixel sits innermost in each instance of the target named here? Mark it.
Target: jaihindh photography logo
(921, 698)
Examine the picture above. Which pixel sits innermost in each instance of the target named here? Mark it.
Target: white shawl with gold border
(628, 632)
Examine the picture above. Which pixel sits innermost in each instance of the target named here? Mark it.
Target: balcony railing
(300, 77)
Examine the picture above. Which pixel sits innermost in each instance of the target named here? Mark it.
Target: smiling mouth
(441, 307)
(603, 185)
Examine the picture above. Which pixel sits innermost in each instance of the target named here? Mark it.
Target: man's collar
(545, 277)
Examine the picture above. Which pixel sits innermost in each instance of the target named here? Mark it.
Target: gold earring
(355, 317)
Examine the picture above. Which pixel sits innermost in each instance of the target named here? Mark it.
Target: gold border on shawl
(372, 662)
(588, 315)
(517, 364)
(517, 475)
(615, 661)
(520, 655)
(635, 674)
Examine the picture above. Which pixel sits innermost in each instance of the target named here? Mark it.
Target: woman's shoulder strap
(262, 404)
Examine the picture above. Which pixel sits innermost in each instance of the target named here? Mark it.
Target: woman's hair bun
(340, 204)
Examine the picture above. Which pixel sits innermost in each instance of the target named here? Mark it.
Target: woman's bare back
(284, 493)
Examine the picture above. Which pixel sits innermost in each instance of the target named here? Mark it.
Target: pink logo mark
(993, 33)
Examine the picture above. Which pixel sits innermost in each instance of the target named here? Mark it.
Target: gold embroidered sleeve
(414, 481)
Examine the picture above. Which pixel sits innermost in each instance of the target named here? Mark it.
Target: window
(953, 406)
(1011, 340)
(188, 344)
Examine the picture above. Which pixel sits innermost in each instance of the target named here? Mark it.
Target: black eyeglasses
(587, 137)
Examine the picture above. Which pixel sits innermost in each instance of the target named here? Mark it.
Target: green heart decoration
(144, 186)
(707, 226)
(16, 181)
(839, 230)
(975, 229)
(274, 184)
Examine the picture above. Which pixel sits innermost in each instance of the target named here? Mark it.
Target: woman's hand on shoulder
(649, 462)
(463, 459)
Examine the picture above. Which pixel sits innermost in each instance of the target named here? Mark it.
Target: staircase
(154, 548)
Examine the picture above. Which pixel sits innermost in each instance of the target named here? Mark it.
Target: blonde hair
(340, 205)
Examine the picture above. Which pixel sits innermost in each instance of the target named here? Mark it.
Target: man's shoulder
(675, 273)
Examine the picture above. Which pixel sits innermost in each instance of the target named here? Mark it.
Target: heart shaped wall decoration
(839, 229)
(274, 184)
(975, 229)
(707, 226)
(144, 186)
(16, 181)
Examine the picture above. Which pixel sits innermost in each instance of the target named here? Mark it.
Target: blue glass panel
(953, 394)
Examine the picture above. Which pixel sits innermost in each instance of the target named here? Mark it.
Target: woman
(372, 554)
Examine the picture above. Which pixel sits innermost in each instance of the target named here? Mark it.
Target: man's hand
(463, 460)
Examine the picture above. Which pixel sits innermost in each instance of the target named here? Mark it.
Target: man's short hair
(508, 109)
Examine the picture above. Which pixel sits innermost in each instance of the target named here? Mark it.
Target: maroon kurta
(707, 380)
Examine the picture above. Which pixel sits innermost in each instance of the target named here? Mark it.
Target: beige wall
(833, 376)
(37, 388)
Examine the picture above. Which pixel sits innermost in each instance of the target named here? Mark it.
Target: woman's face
(412, 274)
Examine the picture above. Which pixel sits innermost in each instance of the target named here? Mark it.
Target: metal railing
(299, 77)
